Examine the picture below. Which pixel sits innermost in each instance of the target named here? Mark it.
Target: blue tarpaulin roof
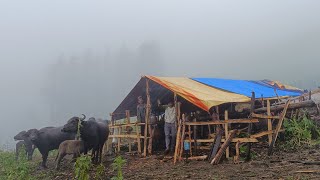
(245, 87)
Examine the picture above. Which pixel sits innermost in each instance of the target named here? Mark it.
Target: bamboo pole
(147, 119)
(275, 135)
(119, 139)
(138, 139)
(248, 155)
(269, 122)
(189, 128)
(176, 150)
(182, 137)
(236, 158)
(128, 122)
(226, 132)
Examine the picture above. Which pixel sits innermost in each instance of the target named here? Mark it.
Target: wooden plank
(264, 133)
(275, 135)
(215, 144)
(269, 122)
(125, 136)
(204, 157)
(224, 146)
(226, 131)
(262, 116)
(242, 140)
(125, 125)
(230, 121)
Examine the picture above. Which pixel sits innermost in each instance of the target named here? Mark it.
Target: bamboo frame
(226, 131)
(147, 119)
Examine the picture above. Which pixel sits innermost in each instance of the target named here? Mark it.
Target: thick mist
(59, 59)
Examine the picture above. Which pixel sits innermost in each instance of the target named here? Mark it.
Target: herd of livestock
(93, 135)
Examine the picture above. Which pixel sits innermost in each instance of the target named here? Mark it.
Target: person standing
(170, 125)
(141, 113)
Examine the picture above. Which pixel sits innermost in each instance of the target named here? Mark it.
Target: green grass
(15, 170)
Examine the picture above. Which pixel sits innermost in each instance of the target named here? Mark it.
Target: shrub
(82, 167)
(117, 165)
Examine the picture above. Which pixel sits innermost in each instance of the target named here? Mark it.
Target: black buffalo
(24, 141)
(93, 133)
(47, 139)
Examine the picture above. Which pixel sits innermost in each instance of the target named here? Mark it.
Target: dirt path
(277, 166)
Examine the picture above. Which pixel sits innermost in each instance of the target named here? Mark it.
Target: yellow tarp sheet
(198, 94)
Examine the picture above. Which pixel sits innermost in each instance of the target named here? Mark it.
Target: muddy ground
(278, 166)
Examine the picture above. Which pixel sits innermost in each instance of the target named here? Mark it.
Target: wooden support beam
(262, 116)
(147, 118)
(242, 140)
(125, 125)
(248, 153)
(119, 138)
(226, 131)
(264, 133)
(138, 139)
(182, 136)
(177, 149)
(269, 122)
(303, 104)
(215, 144)
(189, 127)
(230, 121)
(237, 156)
(275, 135)
(125, 136)
(224, 146)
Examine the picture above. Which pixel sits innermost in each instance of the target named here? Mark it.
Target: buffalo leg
(44, 159)
(60, 157)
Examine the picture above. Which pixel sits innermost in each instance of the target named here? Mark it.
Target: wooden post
(119, 139)
(275, 135)
(248, 155)
(236, 158)
(138, 139)
(226, 132)
(269, 122)
(224, 146)
(189, 127)
(147, 119)
(128, 122)
(182, 136)
(177, 143)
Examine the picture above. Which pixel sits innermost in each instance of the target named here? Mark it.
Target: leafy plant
(12, 169)
(117, 165)
(300, 132)
(82, 167)
(100, 171)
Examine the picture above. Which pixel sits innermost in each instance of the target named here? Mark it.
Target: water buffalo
(75, 147)
(47, 139)
(93, 133)
(24, 141)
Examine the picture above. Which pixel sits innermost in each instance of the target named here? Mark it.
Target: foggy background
(63, 58)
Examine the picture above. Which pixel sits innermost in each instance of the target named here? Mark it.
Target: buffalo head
(33, 134)
(72, 124)
(21, 136)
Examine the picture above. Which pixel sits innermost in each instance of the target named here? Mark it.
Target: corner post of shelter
(253, 99)
(269, 122)
(147, 118)
(128, 132)
(226, 131)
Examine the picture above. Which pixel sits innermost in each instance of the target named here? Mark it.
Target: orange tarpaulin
(197, 93)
